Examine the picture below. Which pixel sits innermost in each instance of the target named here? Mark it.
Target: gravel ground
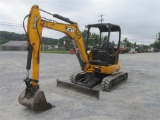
(137, 99)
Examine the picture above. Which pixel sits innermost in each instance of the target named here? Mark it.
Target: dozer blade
(80, 89)
(35, 101)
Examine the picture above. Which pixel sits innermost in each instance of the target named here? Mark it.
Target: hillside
(11, 36)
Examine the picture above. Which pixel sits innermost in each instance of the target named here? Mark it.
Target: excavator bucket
(35, 101)
(80, 89)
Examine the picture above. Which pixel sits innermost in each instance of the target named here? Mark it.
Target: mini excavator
(99, 65)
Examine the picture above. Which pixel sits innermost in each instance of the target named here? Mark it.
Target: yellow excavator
(99, 64)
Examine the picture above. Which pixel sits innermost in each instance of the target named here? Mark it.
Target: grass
(57, 52)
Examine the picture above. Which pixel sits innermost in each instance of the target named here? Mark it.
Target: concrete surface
(137, 99)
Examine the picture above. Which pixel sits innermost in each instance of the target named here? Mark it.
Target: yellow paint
(72, 30)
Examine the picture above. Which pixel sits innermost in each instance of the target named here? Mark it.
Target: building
(14, 46)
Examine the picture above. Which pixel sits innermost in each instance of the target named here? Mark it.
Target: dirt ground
(137, 99)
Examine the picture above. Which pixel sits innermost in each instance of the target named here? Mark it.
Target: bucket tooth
(34, 100)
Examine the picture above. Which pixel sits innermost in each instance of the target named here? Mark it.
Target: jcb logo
(69, 29)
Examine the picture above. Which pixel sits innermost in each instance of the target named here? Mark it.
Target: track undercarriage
(108, 82)
(86, 82)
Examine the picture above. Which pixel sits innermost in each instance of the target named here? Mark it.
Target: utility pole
(101, 19)
(101, 35)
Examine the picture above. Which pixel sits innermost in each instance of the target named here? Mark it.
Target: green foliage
(11, 36)
(156, 44)
(96, 39)
(3, 40)
(159, 36)
(84, 35)
(104, 39)
(128, 43)
(49, 41)
(95, 36)
(135, 44)
(7, 36)
(68, 44)
(61, 40)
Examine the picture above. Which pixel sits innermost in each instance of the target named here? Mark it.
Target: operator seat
(102, 55)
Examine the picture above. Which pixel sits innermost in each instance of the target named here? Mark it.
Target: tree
(159, 36)
(93, 35)
(128, 44)
(135, 44)
(84, 35)
(96, 37)
(155, 45)
(68, 43)
(11, 36)
(104, 39)
(94, 41)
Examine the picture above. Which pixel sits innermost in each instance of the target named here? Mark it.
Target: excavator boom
(32, 96)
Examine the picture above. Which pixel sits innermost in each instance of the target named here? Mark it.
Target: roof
(105, 27)
(15, 43)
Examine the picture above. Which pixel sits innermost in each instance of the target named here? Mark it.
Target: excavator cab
(104, 52)
(103, 59)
